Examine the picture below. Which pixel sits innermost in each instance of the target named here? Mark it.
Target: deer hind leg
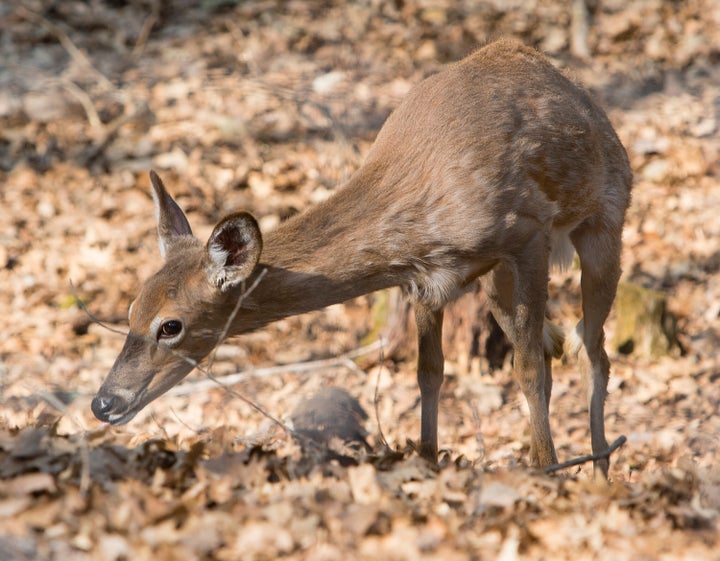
(430, 375)
(599, 251)
(517, 294)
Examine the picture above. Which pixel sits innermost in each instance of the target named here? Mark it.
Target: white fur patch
(435, 286)
(553, 340)
(574, 341)
(218, 255)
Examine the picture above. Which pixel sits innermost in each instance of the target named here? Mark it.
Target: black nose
(103, 405)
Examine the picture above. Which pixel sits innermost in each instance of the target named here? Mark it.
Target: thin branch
(84, 100)
(181, 421)
(145, 31)
(109, 132)
(479, 440)
(579, 28)
(376, 398)
(298, 367)
(76, 54)
(80, 304)
(249, 402)
(208, 372)
(589, 458)
(224, 381)
(231, 317)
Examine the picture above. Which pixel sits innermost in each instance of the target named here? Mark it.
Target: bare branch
(145, 31)
(76, 54)
(93, 317)
(312, 365)
(84, 100)
(589, 458)
(251, 403)
(225, 381)
(376, 397)
(579, 28)
(231, 317)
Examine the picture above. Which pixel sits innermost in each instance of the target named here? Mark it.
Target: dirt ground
(268, 105)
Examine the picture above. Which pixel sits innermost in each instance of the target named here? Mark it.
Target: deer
(498, 167)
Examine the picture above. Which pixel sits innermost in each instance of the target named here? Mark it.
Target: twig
(589, 458)
(479, 440)
(66, 42)
(212, 379)
(84, 100)
(579, 28)
(179, 420)
(376, 398)
(109, 132)
(231, 317)
(341, 360)
(249, 402)
(80, 304)
(224, 381)
(147, 26)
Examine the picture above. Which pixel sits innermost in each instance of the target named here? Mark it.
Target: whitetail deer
(495, 167)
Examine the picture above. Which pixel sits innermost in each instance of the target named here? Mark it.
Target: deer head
(180, 313)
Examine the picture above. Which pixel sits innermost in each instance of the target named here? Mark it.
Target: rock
(331, 413)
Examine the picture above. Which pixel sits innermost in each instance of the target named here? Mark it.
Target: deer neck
(329, 254)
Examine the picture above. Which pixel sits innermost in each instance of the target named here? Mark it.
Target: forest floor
(268, 105)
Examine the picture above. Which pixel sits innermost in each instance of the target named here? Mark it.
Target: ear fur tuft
(233, 250)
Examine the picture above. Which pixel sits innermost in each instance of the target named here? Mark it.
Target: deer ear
(171, 221)
(234, 249)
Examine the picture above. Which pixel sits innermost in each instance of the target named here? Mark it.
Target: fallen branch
(376, 399)
(108, 133)
(231, 318)
(589, 458)
(147, 27)
(76, 54)
(80, 303)
(344, 360)
(249, 402)
(84, 99)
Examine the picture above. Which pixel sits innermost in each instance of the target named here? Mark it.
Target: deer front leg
(430, 375)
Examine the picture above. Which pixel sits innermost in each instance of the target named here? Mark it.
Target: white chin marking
(121, 418)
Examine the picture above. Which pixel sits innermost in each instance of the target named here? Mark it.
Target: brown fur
(481, 169)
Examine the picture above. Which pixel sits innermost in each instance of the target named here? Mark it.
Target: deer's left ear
(171, 221)
(234, 250)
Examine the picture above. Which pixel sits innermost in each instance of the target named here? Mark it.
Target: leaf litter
(268, 106)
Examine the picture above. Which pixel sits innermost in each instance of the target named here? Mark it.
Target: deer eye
(170, 328)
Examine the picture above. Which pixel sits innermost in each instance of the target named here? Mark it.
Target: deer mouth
(118, 419)
(113, 409)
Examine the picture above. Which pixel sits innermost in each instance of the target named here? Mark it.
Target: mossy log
(644, 325)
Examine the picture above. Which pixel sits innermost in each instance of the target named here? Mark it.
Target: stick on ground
(589, 458)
